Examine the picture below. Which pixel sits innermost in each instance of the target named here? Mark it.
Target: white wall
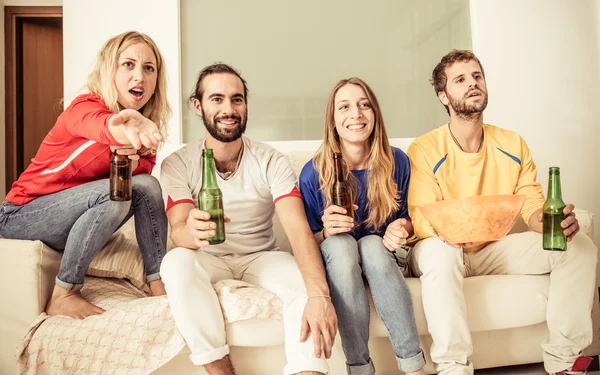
(87, 24)
(541, 59)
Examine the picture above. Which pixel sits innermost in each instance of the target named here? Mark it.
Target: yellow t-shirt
(440, 170)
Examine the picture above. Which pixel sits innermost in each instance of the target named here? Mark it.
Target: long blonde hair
(382, 194)
(101, 80)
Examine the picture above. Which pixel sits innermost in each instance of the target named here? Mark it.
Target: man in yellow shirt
(464, 158)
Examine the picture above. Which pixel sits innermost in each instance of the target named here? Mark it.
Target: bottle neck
(209, 175)
(338, 169)
(120, 159)
(554, 191)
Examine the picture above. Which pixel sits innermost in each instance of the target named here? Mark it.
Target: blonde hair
(382, 194)
(101, 80)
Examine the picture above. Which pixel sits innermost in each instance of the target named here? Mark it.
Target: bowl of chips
(482, 218)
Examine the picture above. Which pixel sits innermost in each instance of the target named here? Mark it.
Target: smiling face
(466, 90)
(223, 107)
(353, 114)
(135, 77)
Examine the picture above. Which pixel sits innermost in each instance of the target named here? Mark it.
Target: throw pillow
(121, 258)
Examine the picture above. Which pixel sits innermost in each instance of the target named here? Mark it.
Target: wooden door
(34, 82)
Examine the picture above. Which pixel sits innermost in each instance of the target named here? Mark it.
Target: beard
(224, 134)
(465, 110)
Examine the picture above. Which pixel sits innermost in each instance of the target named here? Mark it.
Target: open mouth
(474, 94)
(137, 93)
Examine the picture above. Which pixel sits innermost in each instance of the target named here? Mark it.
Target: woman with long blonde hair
(62, 198)
(369, 243)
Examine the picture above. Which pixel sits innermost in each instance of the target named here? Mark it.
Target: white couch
(506, 314)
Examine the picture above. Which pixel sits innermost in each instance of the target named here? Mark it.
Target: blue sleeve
(402, 177)
(308, 184)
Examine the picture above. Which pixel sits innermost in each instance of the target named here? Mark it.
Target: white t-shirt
(249, 194)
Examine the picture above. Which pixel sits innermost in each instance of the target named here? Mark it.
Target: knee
(376, 258)
(117, 210)
(340, 253)
(373, 242)
(178, 266)
(146, 184)
(582, 249)
(434, 256)
(148, 188)
(97, 193)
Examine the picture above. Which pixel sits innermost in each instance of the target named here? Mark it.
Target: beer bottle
(210, 198)
(120, 177)
(553, 236)
(341, 194)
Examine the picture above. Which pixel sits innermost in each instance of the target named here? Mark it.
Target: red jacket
(75, 151)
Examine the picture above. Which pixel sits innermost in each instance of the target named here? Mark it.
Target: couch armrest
(29, 269)
(586, 222)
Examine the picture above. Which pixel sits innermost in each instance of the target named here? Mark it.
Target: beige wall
(542, 60)
(292, 54)
(542, 63)
(33, 2)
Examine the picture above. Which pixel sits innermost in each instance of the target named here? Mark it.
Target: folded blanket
(136, 334)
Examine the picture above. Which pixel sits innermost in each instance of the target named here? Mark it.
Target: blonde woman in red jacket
(62, 198)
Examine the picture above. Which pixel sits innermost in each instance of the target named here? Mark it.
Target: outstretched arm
(131, 127)
(319, 314)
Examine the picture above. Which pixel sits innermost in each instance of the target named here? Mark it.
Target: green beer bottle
(553, 236)
(341, 194)
(210, 198)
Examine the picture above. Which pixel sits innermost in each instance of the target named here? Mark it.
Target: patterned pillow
(241, 300)
(121, 258)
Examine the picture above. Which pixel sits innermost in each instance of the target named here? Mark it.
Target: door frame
(13, 17)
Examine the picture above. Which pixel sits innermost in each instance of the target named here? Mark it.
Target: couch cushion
(493, 303)
(28, 279)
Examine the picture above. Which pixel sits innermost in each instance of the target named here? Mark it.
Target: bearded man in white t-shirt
(256, 181)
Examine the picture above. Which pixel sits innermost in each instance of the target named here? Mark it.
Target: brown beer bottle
(341, 194)
(120, 177)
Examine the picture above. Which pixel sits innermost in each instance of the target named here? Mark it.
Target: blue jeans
(80, 220)
(346, 260)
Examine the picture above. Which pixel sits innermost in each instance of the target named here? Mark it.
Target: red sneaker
(579, 367)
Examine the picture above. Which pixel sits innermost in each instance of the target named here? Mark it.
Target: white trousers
(188, 276)
(570, 297)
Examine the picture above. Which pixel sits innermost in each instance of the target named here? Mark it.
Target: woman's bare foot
(70, 303)
(157, 288)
